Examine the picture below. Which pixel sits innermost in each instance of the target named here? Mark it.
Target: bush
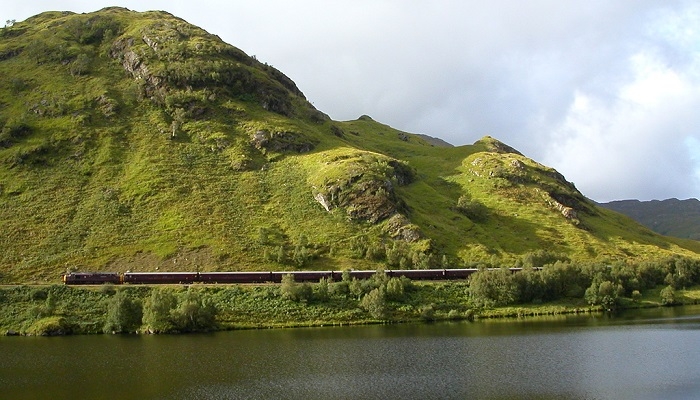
(124, 314)
(291, 290)
(427, 312)
(195, 312)
(472, 209)
(374, 303)
(489, 288)
(50, 326)
(395, 289)
(668, 296)
(636, 296)
(157, 311)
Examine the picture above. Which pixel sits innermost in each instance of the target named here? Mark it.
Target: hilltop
(137, 141)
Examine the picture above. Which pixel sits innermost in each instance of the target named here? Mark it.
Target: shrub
(490, 288)
(195, 312)
(291, 290)
(427, 312)
(374, 303)
(636, 296)
(472, 209)
(157, 311)
(50, 326)
(395, 289)
(668, 296)
(124, 314)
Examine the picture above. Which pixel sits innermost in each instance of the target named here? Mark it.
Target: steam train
(98, 278)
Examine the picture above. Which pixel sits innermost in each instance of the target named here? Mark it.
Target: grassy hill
(136, 141)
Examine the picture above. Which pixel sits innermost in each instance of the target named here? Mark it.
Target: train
(154, 278)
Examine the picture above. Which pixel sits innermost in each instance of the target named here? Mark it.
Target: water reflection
(646, 354)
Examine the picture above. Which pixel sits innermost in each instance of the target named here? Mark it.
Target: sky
(606, 92)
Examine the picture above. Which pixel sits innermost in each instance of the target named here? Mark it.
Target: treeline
(598, 284)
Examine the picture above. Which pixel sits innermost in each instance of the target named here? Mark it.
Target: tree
(194, 312)
(636, 296)
(490, 288)
(157, 311)
(605, 294)
(472, 209)
(322, 290)
(124, 314)
(291, 290)
(394, 289)
(668, 296)
(374, 303)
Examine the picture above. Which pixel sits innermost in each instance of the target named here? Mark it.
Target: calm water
(652, 354)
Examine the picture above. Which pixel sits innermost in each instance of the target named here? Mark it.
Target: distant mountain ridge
(671, 217)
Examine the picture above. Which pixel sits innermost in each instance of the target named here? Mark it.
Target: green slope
(138, 141)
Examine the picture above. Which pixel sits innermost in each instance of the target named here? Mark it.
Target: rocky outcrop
(400, 227)
(496, 146)
(366, 189)
(281, 142)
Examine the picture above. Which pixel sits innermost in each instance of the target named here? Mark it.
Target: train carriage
(310, 276)
(235, 277)
(160, 277)
(417, 274)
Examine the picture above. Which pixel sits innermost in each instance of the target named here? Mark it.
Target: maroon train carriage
(362, 274)
(235, 277)
(463, 273)
(159, 277)
(91, 278)
(307, 276)
(418, 274)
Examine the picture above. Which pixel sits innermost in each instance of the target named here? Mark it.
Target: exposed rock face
(400, 227)
(366, 189)
(281, 142)
(371, 201)
(132, 63)
(568, 212)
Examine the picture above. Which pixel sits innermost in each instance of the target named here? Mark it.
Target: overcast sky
(607, 92)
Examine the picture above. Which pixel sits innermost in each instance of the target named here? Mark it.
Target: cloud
(639, 143)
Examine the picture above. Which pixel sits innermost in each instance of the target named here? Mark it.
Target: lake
(640, 354)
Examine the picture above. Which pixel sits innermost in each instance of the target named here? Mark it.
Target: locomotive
(97, 278)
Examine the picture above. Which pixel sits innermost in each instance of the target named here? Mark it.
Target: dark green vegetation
(558, 288)
(672, 217)
(136, 141)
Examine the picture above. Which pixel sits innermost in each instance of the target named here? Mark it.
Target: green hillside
(136, 141)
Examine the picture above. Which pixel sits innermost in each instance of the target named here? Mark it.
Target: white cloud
(636, 146)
